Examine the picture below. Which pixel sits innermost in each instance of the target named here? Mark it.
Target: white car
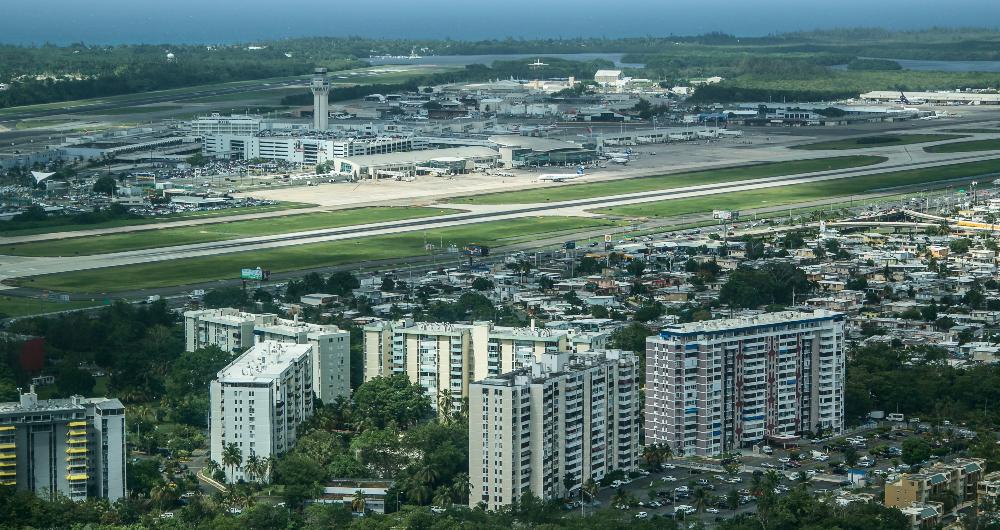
(167, 515)
(669, 466)
(712, 510)
(784, 460)
(669, 478)
(641, 515)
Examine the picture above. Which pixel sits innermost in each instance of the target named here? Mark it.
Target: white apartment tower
(73, 447)
(320, 87)
(551, 427)
(258, 402)
(440, 356)
(236, 331)
(721, 385)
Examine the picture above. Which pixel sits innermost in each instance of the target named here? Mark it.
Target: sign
(725, 215)
(570, 245)
(607, 238)
(257, 274)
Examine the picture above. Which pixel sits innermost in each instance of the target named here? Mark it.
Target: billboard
(725, 215)
(570, 245)
(257, 274)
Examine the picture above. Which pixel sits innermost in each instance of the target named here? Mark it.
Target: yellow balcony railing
(77, 476)
(77, 424)
(8, 473)
(76, 450)
(7, 456)
(77, 433)
(8, 464)
(77, 440)
(6, 428)
(8, 483)
(7, 446)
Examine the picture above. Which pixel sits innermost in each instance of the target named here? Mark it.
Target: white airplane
(561, 177)
(619, 160)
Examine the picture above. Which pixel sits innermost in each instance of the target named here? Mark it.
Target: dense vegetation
(793, 66)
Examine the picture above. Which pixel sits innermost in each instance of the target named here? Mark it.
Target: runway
(17, 267)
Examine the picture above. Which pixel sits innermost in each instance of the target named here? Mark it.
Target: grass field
(971, 131)
(186, 235)
(12, 306)
(639, 184)
(965, 147)
(803, 192)
(48, 228)
(887, 140)
(360, 250)
(125, 111)
(35, 124)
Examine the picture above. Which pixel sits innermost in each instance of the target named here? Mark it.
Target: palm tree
(700, 499)
(652, 455)
(445, 406)
(460, 488)
(620, 498)
(359, 503)
(232, 458)
(420, 493)
(254, 467)
(590, 489)
(425, 475)
(442, 497)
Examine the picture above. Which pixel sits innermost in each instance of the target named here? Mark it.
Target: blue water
(222, 21)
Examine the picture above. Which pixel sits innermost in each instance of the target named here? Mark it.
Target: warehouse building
(941, 98)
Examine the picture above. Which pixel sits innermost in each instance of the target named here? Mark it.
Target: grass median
(568, 192)
(884, 140)
(207, 233)
(797, 193)
(359, 250)
(965, 147)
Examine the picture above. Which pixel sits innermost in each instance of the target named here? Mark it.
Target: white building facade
(551, 427)
(258, 402)
(720, 385)
(236, 331)
(73, 447)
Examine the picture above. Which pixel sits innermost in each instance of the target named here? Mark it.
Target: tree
(960, 245)
(390, 400)
(700, 499)
(192, 371)
(74, 381)
(482, 284)
(254, 468)
(635, 268)
(631, 337)
(850, 456)
(232, 458)
(359, 503)
(105, 185)
(301, 476)
(915, 451)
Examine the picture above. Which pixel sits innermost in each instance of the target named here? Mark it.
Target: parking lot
(821, 465)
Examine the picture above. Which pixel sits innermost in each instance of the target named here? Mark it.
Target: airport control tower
(321, 99)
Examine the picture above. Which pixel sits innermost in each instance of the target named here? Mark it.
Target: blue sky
(213, 21)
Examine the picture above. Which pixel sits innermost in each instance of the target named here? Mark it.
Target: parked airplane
(906, 101)
(619, 160)
(561, 177)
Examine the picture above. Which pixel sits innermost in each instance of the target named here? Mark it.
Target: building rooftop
(763, 319)
(263, 362)
(29, 402)
(425, 155)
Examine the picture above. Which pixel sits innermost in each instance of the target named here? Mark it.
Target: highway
(16, 267)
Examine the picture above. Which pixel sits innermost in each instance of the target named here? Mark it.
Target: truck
(152, 298)
(895, 416)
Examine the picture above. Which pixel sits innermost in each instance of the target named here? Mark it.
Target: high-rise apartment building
(258, 402)
(236, 331)
(73, 447)
(550, 427)
(450, 356)
(719, 385)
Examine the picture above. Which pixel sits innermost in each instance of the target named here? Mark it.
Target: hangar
(530, 151)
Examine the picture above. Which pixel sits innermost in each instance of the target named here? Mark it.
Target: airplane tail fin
(580, 170)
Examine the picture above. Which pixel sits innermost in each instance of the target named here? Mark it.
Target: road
(17, 267)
